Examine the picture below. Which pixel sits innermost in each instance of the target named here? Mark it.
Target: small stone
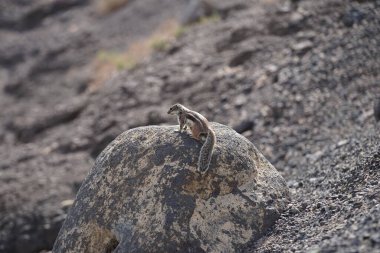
(314, 180)
(353, 16)
(240, 58)
(67, 203)
(326, 237)
(313, 158)
(375, 238)
(240, 100)
(302, 47)
(271, 68)
(239, 34)
(296, 17)
(342, 143)
(244, 126)
(195, 10)
(376, 109)
(294, 210)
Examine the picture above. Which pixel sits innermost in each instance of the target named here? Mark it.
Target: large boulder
(145, 194)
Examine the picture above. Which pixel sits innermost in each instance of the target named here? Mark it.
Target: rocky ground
(297, 78)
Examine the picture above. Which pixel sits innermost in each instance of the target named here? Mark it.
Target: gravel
(302, 87)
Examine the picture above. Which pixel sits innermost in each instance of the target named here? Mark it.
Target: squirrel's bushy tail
(206, 152)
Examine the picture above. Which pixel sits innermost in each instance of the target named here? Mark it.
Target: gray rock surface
(145, 193)
(312, 108)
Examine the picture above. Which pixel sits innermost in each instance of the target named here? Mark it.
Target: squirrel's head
(175, 109)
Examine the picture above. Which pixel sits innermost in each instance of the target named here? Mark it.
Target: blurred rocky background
(300, 79)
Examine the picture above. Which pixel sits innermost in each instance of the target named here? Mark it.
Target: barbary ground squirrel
(200, 129)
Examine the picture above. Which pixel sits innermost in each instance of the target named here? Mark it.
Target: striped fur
(206, 152)
(199, 126)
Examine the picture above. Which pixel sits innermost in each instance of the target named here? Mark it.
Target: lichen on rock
(145, 194)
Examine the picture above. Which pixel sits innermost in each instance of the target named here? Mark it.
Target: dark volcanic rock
(27, 128)
(21, 16)
(145, 193)
(376, 109)
(195, 10)
(244, 126)
(352, 16)
(312, 105)
(241, 57)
